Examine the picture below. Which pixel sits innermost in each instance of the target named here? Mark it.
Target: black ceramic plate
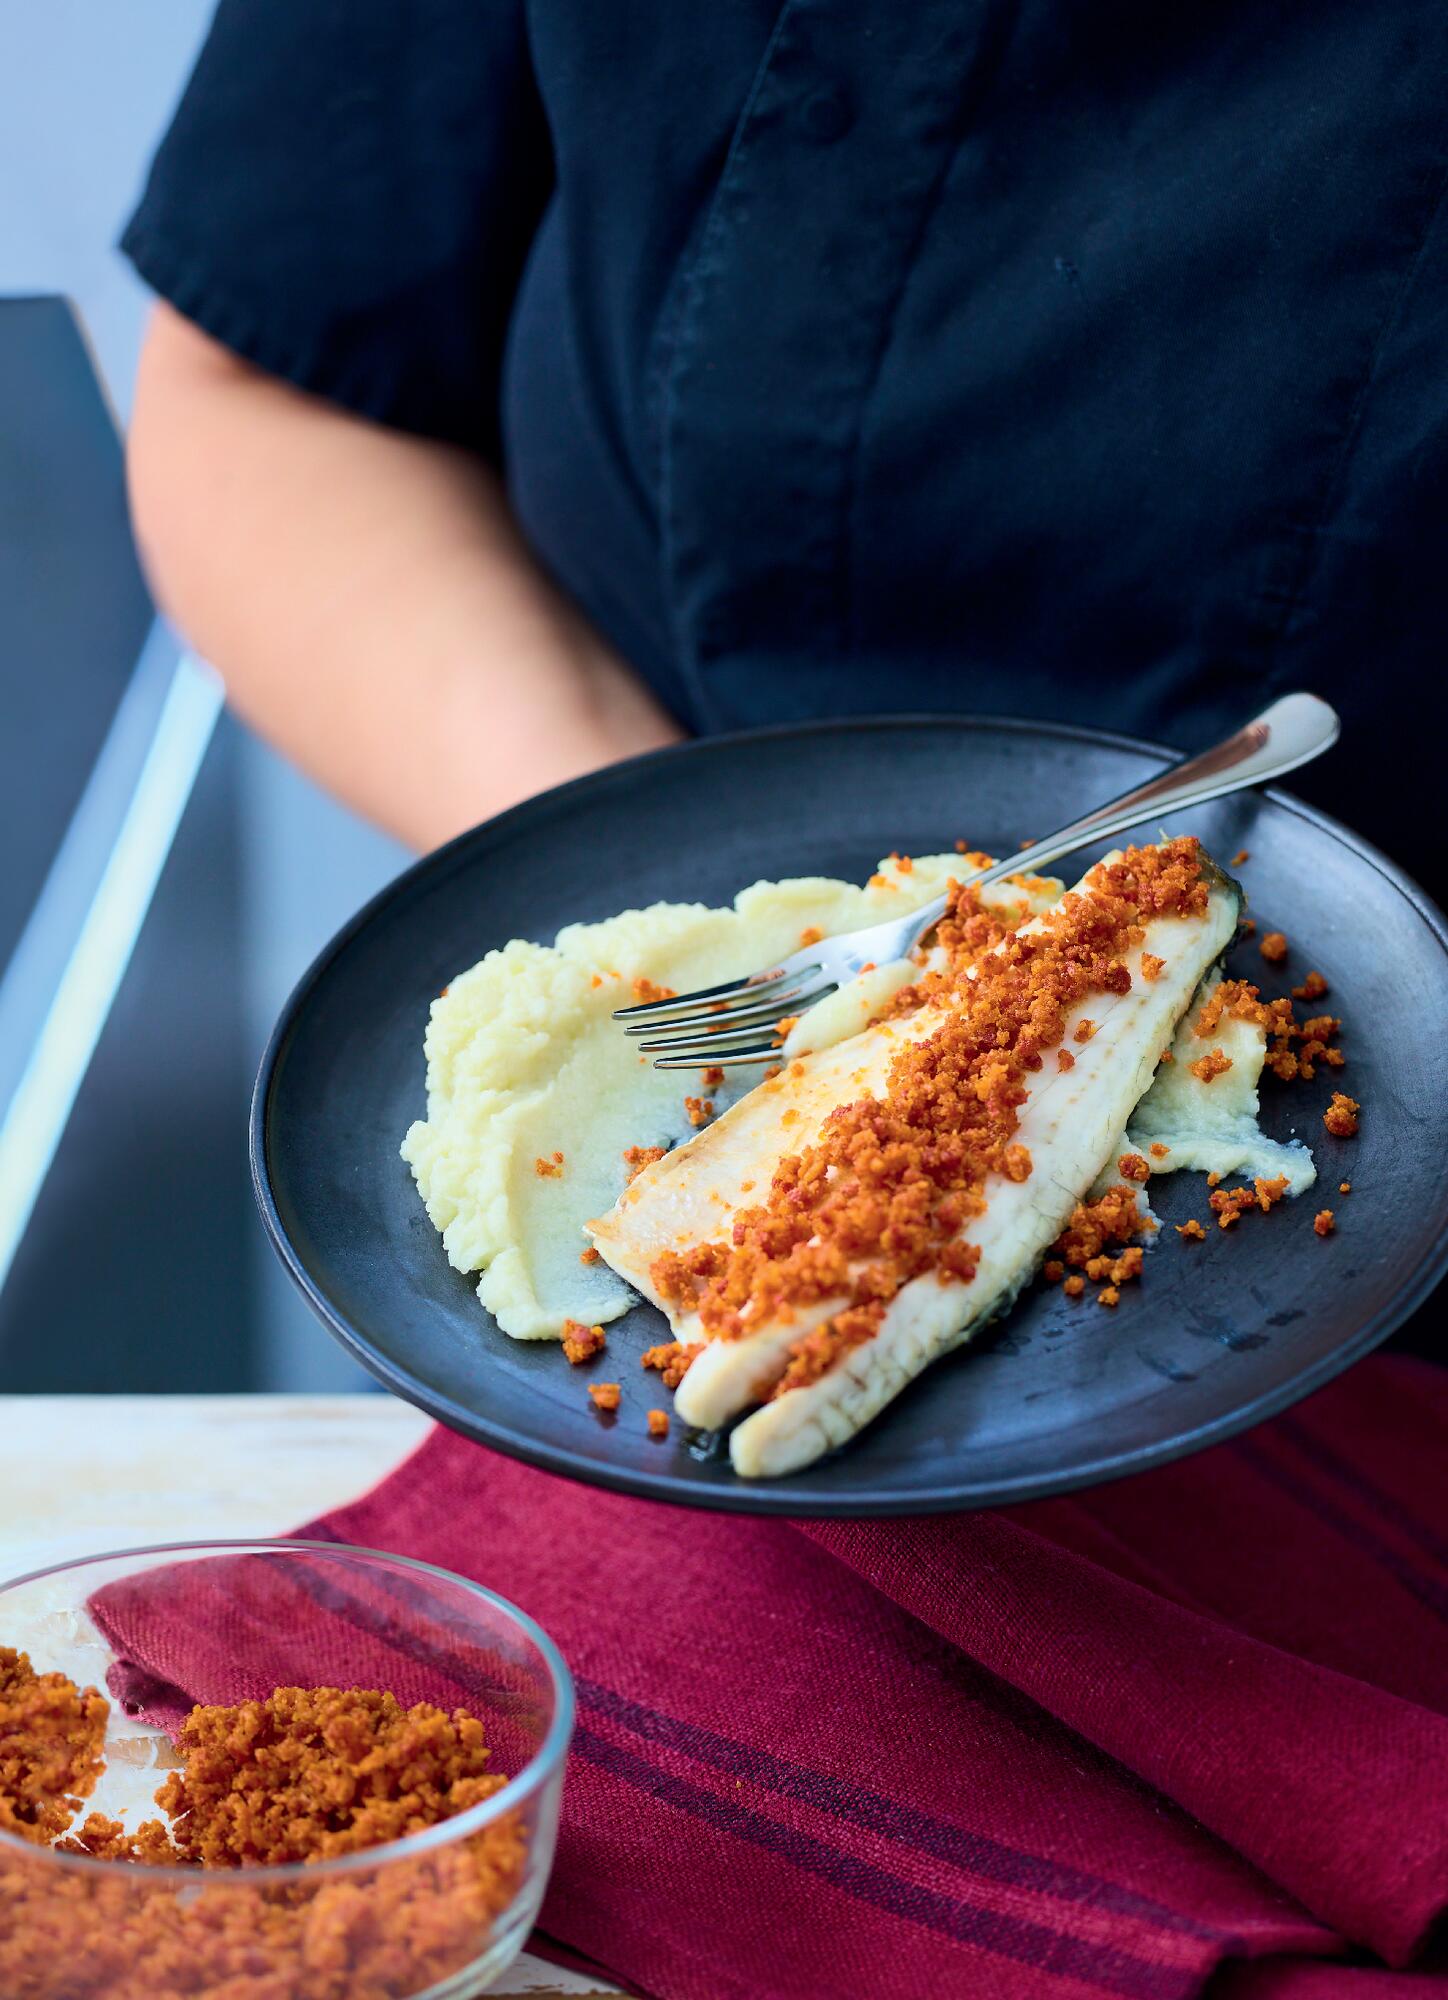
(1219, 1335)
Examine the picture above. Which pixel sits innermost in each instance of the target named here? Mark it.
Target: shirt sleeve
(346, 196)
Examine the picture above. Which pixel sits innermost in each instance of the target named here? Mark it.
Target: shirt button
(826, 114)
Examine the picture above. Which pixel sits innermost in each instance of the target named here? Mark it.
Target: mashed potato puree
(525, 1062)
(1212, 1128)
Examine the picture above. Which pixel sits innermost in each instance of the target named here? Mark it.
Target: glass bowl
(435, 1916)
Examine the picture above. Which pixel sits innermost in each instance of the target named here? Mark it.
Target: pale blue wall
(85, 88)
(85, 85)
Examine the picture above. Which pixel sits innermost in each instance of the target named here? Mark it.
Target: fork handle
(1292, 731)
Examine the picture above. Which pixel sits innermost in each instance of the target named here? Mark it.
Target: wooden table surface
(83, 1474)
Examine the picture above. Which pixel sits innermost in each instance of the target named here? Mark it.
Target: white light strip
(87, 987)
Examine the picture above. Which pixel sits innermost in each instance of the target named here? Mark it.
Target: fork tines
(721, 1020)
(741, 1034)
(714, 999)
(756, 1053)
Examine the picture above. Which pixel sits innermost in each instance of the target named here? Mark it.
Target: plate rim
(774, 1497)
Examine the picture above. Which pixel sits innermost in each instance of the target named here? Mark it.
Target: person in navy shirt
(539, 380)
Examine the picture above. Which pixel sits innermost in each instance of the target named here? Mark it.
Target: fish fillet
(1070, 1122)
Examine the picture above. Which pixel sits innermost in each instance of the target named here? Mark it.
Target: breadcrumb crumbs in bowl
(361, 1804)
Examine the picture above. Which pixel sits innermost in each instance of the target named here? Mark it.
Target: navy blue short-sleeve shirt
(846, 355)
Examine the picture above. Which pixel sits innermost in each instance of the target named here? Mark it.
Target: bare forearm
(367, 598)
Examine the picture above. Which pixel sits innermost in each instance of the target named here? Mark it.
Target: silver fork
(732, 1025)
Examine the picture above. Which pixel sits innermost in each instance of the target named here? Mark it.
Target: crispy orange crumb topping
(51, 1733)
(819, 1350)
(1209, 1067)
(1293, 1048)
(276, 1781)
(1341, 1116)
(308, 1774)
(1091, 1243)
(581, 1343)
(1230, 1204)
(889, 1187)
(672, 1359)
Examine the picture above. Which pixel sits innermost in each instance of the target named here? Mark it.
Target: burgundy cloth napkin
(1116, 1744)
